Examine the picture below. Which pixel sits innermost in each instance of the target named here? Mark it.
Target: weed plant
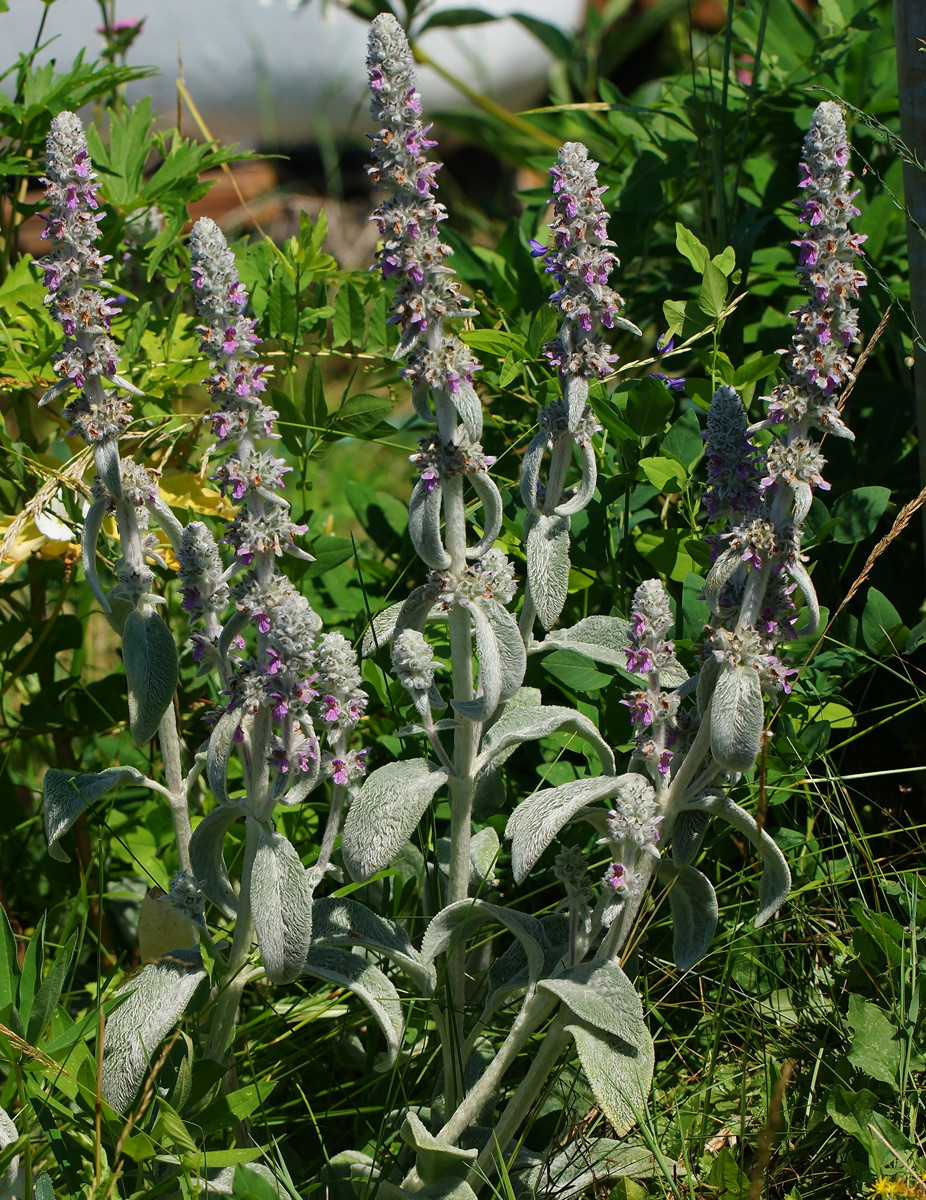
(381, 860)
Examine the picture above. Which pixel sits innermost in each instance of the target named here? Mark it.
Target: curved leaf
(490, 669)
(384, 812)
(463, 918)
(490, 497)
(530, 472)
(208, 861)
(436, 1160)
(157, 999)
(369, 985)
(534, 824)
(424, 510)
(67, 795)
(737, 718)
(547, 550)
(586, 489)
(338, 921)
(687, 836)
(93, 524)
(281, 907)
(620, 1075)
(602, 996)
(149, 655)
(218, 752)
(694, 914)
(523, 724)
(8, 1135)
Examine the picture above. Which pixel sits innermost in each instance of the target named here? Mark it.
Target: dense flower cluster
(491, 577)
(650, 654)
(408, 219)
(733, 460)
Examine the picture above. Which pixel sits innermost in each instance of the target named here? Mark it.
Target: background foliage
(793, 1061)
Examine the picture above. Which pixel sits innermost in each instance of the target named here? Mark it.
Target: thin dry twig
(863, 357)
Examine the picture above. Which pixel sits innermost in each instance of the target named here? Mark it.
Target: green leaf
(755, 368)
(649, 406)
(691, 247)
(314, 407)
(454, 17)
(556, 41)
(576, 671)
(349, 323)
(358, 414)
(859, 512)
(494, 341)
(882, 628)
(9, 963)
(684, 441)
(666, 474)
(149, 655)
(875, 1047)
(713, 296)
(48, 995)
(671, 552)
(725, 261)
(31, 975)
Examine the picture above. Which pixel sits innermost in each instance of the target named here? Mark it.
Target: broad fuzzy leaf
(694, 914)
(424, 511)
(534, 824)
(489, 687)
(547, 550)
(208, 861)
(8, 1135)
(582, 1167)
(484, 486)
(512, 655)
(620, 1075)
(68, 795)
(687, 836)
(459, 921)
(338, 921)
(384, 812)
(93, 524)
(281, 907)
(369, 985)
(586, 489)
(157, 999)
(737, 718)
(522, 724)
(436, 1160)
(601, 995)
(149, 655)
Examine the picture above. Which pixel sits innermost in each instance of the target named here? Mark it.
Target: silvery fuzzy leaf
(798, 573)
(620, 1074)
(509, 975)
(149, 655)
(737, 718)
(582, 496)
(225, 1183)
(602, 996)
(235, 624)
(575, 395)
(484, 848)
(489, 686)
(517, 725)
(452, 1188)
(157, 999)
(290, 790)
(694, 913)
(436, 1160)
(512, 655)
(469, 409)
(369, 985)
(384, 812)
(8, 1135)
(107, 463)
(776, 877)
(598, 637)
(381, 629)
(581, 1168)
(338, 921)
(68, 794)
(281, 907)
(491, 500)
(530, 472)
(62, 385)
(724, 568)
(687, 836)
(169, 524)
(410, 338)
(219, 749)
(424, 512)
(547, 550)
(459, 921)
(207, 860)
(535, 823)
(93, 524)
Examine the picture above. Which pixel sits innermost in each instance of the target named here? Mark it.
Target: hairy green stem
(178, 801)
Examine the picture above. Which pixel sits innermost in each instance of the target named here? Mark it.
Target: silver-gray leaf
(490, 497)
(369, 985)
(547, 550)
(512, 655)
(489, 688)
(687, 836)
(517, 725)
(281, 907)
(149, 655)
(601, 994)
(208, 861)
(8, 1135)
(461, 920)
(694, 914)
(384, 812)
(339, 921)
(221, 741)
(436, 1160)
(620, 1075)
(737, 718)
(157, 999)
(68, 794)
(93, 523)
(424, 511)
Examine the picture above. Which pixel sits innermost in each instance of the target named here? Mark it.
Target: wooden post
(910, 35)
